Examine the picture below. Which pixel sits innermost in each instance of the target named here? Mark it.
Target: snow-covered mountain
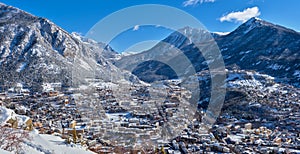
(255, 45)
(264, 47)
(34, 50)
(99, 48)
(167, 48)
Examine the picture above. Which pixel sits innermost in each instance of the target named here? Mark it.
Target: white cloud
(136, 27)
(194, 2)
(241, 16)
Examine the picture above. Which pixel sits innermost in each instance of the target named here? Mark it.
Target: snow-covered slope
(100, 49)
(34, 50)
(6, 114)
(249, 88)
(50, 144)
(40, 143)
(5, 152)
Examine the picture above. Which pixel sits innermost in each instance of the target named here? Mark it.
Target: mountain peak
(255, 22)
(14, 15)
(253, 19)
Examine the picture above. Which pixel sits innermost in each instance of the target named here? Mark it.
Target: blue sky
(216, 15)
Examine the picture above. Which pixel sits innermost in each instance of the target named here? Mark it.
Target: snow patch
(21, 67)
(246, 83)
(47, 144)
(7, 114)
(5, 152)
(275, 67)
(297, 74)
(221, 33)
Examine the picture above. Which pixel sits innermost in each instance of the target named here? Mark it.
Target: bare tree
(12, 139)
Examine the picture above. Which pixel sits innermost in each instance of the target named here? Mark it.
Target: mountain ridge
(255, 45)
(35, 50)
